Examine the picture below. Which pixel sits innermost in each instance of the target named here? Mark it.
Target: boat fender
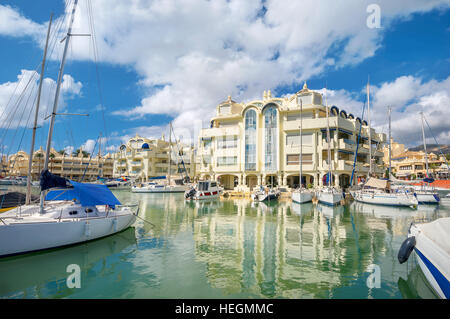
(87, 230)
(406, 248)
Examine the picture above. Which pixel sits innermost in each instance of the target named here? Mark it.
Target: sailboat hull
(428, 198)
(18, 238)
(329, 198)
(159, 189)
(302, 197)
(394, 199)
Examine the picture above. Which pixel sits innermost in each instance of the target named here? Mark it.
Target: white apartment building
(142, 158)
(258, 143)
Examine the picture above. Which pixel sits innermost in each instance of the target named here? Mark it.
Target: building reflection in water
(295, 251)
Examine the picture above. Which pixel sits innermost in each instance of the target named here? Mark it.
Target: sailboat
(329, 195)
(152, 187)
(381, 192)
(70, 212)
(424, 194)
(301, 195)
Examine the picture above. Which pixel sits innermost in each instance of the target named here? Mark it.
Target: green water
(232, 249)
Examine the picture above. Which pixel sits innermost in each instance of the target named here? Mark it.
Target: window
(73, 212)
(305, 99)
(227, 161)
(270, 138)
(293, 139)
(206, 144)
(250, 140)
(227, 142)
(88, 210)
(226, 109)
(293, 159)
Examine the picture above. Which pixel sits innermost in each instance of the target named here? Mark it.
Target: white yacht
(72, 215)
(152, 187)
(377, 191)
(330, 196)
(203, 190)
(431, 243)
(265, 194)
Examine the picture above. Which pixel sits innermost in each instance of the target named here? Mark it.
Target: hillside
(433, 148)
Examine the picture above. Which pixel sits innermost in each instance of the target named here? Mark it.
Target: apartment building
(258, 143)
(75, 168)
(142, 158)
(412, 165)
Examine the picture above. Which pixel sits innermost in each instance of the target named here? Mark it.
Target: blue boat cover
(428, 180)
(86, 194)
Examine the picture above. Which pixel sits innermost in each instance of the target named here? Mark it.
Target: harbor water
(233, 248)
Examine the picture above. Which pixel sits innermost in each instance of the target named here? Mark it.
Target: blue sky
(158, 64)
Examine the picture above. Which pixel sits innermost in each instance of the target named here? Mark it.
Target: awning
(377, 183)
(86, 194)
(334, 129)
(345, 152)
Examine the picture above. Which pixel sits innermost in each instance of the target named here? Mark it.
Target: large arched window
(250, 140)
(270, 138)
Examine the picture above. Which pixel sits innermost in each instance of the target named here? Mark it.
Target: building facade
(412, 165)
(142, 158)
(258, 143)
(72, 167)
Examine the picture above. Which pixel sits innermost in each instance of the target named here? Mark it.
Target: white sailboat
(74, 213)
(329, 195)
(380, 192)
(301, 195)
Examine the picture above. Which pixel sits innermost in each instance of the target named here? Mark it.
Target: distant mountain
(435, 148)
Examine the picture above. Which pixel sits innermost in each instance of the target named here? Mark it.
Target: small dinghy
(431, 243)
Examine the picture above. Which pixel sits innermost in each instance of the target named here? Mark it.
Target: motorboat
(266, 194)
(330, 196)
(203, 190)
(153, 187)
(77, 213)
(118, 184)
(431, 244)
(11, 180)
(379, 192)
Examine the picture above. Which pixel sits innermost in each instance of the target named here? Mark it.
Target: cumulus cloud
(13, 23)
(18, 98)
(408, 96)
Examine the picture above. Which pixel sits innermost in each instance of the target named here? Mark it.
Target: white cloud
(18, 98)
(12, 23)
(408, 96)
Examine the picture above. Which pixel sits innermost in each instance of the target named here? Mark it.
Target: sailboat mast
(33, 136)
(370, 133)
(424, 146)
(330, 179)
(301, 144)
(390, 166)
(170, 149)
(55, 103)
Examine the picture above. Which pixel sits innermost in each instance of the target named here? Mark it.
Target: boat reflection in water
(416, 285)
(36, 275)
(300, 209)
